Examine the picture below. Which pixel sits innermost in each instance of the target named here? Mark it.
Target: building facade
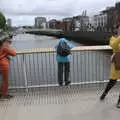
(113, 16)
(100, 21)
(52, 24)
(67, 24)
(9, 22)
(39, 21)
(80, 22)
(64, 24)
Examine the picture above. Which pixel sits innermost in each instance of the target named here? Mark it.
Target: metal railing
(38, 67)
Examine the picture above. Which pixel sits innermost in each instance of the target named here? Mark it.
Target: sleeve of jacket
(56, 47)
(114, 42)
(10, 51)
(71, 45)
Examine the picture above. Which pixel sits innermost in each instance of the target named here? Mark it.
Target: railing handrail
(80, 48)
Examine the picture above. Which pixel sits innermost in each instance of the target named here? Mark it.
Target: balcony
(33, 81)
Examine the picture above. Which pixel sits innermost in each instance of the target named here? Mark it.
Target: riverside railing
(38, 67)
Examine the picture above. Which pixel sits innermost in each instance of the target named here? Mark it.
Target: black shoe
(60, 84)
(67, 83)
(102, 97)
(0, 95)
(118, 105)
(7, 97)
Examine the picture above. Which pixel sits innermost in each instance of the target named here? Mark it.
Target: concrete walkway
(61, 104)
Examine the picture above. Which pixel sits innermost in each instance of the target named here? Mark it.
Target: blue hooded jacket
(61, 58)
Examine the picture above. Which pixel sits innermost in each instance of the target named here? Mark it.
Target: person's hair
(60, 35)
(115, 32)
(7, 39)
(1, 43)
(10, 36)
(117, 26)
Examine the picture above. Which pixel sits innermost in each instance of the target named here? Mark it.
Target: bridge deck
(61, 104)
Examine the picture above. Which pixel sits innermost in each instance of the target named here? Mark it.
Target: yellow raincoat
(115, 44)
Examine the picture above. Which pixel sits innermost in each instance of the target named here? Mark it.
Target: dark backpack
(63, 49)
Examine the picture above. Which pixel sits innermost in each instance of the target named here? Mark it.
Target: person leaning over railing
(115, 66)
(5, 52)
(63, 59)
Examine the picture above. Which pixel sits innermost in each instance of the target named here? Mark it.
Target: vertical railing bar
(30, 70)
(84, 62)
(39, 76)
(15, 78)
(18, 69)
(25, 76)
(71, 71)
(93, 70)
(52, 65)
(76, 73)
(42, 67)
(20, 57)
(78, 78)
(100, 66)
(50, 68)
(46, 68)
(34, 67)
(81, 68)
(87, 66)
(73, 67)
(54, 71)
(46, 63)
(89, 63)
(103, 68)
(96, 66)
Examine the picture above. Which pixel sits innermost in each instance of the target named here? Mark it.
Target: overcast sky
(23, 12)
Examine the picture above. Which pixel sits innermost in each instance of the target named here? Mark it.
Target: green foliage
(2, 21)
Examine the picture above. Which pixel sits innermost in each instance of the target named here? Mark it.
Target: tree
(7, 28)
(2, 21)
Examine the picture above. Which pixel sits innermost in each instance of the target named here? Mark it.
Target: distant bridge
(46, 30)
(83, 37)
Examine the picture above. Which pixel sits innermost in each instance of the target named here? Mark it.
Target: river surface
(27, 41)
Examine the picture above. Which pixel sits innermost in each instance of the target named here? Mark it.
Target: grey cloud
(39, 12)
(49, 8)
(46, 7)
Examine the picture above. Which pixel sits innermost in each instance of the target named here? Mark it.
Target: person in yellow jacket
(115, 71)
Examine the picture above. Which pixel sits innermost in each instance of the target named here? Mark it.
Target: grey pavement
(67, 103)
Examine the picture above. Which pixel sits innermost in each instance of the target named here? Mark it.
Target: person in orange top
(5, 52)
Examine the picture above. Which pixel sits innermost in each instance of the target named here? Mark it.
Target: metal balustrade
(38, 67)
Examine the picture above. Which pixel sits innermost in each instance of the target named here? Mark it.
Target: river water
(27, 41)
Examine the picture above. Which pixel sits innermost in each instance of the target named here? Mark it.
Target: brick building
(113, 16)
(67, 24)
(52, 24)
(59, 25)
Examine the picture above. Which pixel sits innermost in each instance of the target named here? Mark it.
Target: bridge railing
(38, 67)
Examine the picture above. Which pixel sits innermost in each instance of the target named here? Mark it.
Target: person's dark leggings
(118, 102)
(110, 84)
(63, 68)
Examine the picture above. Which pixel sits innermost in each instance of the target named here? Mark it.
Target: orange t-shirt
(4, 52)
